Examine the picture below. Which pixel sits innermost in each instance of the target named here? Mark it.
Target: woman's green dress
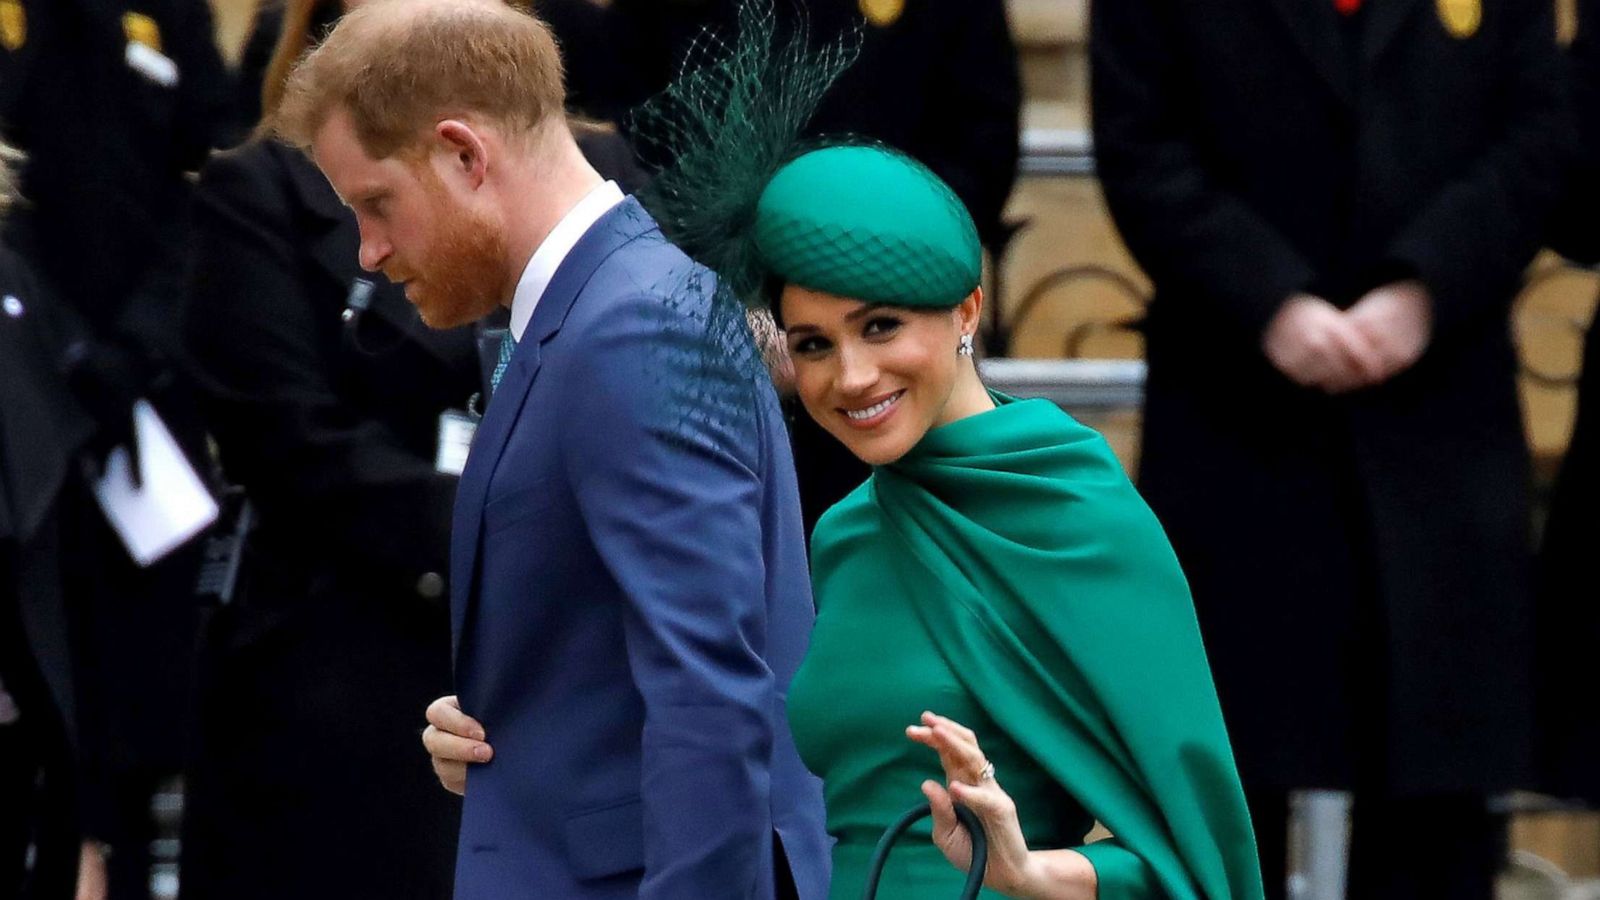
(1005, 574)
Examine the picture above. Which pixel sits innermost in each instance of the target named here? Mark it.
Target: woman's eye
(808, 346)
(881, 326)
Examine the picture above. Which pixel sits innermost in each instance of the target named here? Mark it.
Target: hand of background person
(1315, 345)
(1013, 869)
(774, 352)
(1397, 320)
(454, 740)
(107, 378)
(92, 882)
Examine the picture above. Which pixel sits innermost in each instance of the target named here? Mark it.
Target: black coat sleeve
(978, 154)
(256, 55)
(1476, 235)
(1181, 225)
(207, 117)
(343, 481)
(1575, 231)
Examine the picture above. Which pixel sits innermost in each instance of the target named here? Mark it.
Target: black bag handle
(968, 820)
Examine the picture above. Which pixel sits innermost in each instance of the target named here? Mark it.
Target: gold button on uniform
(882, 13)
(139, 28)
(1460, 18)
(13, 25)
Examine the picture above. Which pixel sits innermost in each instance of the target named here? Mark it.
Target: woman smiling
(996, 592)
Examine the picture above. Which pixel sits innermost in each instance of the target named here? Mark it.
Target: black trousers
(38, 812)
(38, 806)
(1402, 845)
(1446, 847)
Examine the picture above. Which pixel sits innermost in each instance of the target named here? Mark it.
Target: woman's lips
(874, 414)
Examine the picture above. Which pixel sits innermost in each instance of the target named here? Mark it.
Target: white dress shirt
(544, 262)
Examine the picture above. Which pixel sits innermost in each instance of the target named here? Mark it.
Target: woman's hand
(970, 780)
(454, 739)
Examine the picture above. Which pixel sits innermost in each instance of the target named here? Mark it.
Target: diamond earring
(966, 346)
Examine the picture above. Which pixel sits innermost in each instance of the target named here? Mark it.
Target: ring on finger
(986, 773)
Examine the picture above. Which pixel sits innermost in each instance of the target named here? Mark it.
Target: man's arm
(1181, 225)
(665, 462)
(1477, 235)
(979, 82)
(1573, 232)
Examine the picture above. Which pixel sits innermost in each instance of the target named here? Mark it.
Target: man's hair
(397, 67)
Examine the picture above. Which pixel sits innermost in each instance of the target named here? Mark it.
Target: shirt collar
(544, 262)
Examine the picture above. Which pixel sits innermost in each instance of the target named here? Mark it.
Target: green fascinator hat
(868, 223)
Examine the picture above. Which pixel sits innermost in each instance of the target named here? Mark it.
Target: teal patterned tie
(508, 349)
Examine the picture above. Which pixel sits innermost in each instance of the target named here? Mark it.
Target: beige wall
(233, 21)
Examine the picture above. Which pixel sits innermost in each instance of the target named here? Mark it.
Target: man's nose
(374, 250)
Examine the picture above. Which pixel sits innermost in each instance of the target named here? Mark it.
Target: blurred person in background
(937, 79)
(328, 399)
(115, 102)
(1336, 201)
(1568, 733)
(42, 431)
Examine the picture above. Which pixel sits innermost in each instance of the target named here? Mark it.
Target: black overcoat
(42, 431)
(1568, 726)
(1359, 563)
(109, 147)
(106, 187)
(938, 80)
(1568, 591)
(310, 780)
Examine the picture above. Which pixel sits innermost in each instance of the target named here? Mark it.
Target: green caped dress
(1005, 574)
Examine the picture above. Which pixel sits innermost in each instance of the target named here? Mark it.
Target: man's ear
(468, 154)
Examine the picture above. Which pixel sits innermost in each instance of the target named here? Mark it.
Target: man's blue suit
(630, 599)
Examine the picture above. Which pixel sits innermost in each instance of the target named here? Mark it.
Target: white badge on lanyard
(152, 64)
(456, 429)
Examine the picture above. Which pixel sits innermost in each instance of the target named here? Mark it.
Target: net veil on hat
(743, 194)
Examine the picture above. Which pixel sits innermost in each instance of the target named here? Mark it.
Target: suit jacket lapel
(624, 223)
(1314, 27)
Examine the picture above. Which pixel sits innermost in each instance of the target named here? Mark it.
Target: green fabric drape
(1052, 591)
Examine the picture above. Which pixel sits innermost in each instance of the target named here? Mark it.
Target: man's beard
(459, 281)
